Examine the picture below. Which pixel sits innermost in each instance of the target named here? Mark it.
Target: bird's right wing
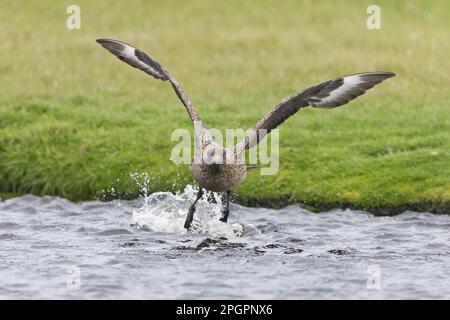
(138, 59)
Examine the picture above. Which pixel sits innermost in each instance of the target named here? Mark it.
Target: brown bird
(208, 166)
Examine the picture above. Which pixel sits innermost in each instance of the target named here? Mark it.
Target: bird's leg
(226, 209)
(190, 215)
(211, 198)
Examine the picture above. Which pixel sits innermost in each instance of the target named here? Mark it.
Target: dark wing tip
(134, 57)
(114, 46)
(388, 74)
(374, 78)
(391, 74)
(381, 74)
(105, 41)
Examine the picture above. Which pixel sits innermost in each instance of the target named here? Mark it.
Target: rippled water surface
(54, 248)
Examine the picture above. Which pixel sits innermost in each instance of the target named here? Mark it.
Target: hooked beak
(214, 167)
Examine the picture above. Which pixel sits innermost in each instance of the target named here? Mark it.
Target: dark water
(54, 248)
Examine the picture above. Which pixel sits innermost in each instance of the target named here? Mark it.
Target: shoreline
(386, 210)
(316, 207)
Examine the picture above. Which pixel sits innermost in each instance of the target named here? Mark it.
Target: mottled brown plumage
(215, 172)
(218, 177)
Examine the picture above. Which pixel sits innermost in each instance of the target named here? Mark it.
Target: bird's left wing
(328, 94)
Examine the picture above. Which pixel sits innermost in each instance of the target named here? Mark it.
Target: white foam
(166, 212)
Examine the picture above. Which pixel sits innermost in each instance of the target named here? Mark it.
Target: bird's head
(214, 155)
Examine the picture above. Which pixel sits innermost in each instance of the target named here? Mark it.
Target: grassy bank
(76, 122)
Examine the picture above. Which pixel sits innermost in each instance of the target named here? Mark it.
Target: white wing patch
(350, 83)
(134, 57)
(130, 53)
(337, 92)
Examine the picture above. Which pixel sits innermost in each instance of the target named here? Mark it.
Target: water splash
(166, 212)
(142, 180)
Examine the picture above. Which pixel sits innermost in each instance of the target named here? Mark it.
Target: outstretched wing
(138, 59)
(328, 94)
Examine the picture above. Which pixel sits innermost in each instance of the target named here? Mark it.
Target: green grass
(74, 121)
